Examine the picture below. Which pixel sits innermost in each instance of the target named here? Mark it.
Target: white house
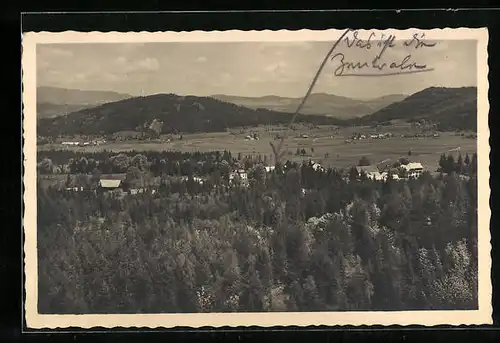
(413, 169)
(317, 166)
(377, 176)
(241, 173)
(195, 179)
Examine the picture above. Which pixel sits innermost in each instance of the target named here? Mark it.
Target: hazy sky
(246, 68)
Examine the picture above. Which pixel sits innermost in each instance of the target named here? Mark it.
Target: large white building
(413, 169)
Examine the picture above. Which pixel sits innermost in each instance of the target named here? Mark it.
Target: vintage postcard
(256, 178)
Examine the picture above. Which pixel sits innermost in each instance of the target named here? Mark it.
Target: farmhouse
(75, 189)
(413, 169)
(241, 173)
(110, 184)
(316, 166)
(395, 176)
(372, 172)
(377, 176)
(135, 191)
(196, 179)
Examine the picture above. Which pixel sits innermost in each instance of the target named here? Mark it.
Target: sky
(246, 68)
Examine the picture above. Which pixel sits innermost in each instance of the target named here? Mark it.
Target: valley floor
(323, 145)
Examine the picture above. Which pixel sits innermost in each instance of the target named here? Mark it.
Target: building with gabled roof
(413, 169)
(110, 184)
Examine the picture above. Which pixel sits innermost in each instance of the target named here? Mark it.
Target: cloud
(130, 66)
(201, 59)
(81, 76)
(148, 64)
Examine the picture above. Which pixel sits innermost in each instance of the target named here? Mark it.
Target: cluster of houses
(421, 135)
(115, 183)
(359, 136)
(411, 170)
(81, 144)
(252, 137)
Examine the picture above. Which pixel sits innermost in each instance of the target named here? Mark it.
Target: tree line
(467, 165)
(294, 240)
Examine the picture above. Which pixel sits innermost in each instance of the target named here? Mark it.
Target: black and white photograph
(256, 178)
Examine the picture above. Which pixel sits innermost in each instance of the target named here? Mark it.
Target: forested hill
(449, 108)
(178, 114)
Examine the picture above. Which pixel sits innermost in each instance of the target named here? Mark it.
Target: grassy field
(323, 140)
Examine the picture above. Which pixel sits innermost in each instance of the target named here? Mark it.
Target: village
(118, 184)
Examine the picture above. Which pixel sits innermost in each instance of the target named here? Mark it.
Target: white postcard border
(428, 318)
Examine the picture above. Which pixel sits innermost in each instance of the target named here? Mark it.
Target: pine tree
(473, 164)
(467, 159)
(450, 164)
(460, 166)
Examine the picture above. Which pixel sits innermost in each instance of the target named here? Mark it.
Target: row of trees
(467, 165)
(156, 162)
(294, 240)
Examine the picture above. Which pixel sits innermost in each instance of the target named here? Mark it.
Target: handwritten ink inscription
(379, 65)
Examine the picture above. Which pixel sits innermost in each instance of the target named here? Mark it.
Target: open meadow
(325, 144)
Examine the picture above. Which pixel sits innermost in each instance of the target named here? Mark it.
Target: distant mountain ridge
(178, 113)
(448, 108)
(54, 101)
(317, 103)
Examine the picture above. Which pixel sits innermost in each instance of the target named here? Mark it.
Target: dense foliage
(293, 240)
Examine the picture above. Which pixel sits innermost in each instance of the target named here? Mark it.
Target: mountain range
(317, 103)
(449, 108)
(53, 101)
(178, 114)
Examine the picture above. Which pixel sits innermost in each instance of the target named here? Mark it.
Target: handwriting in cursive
(418, 42)
(405, 66)
(377, 65)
